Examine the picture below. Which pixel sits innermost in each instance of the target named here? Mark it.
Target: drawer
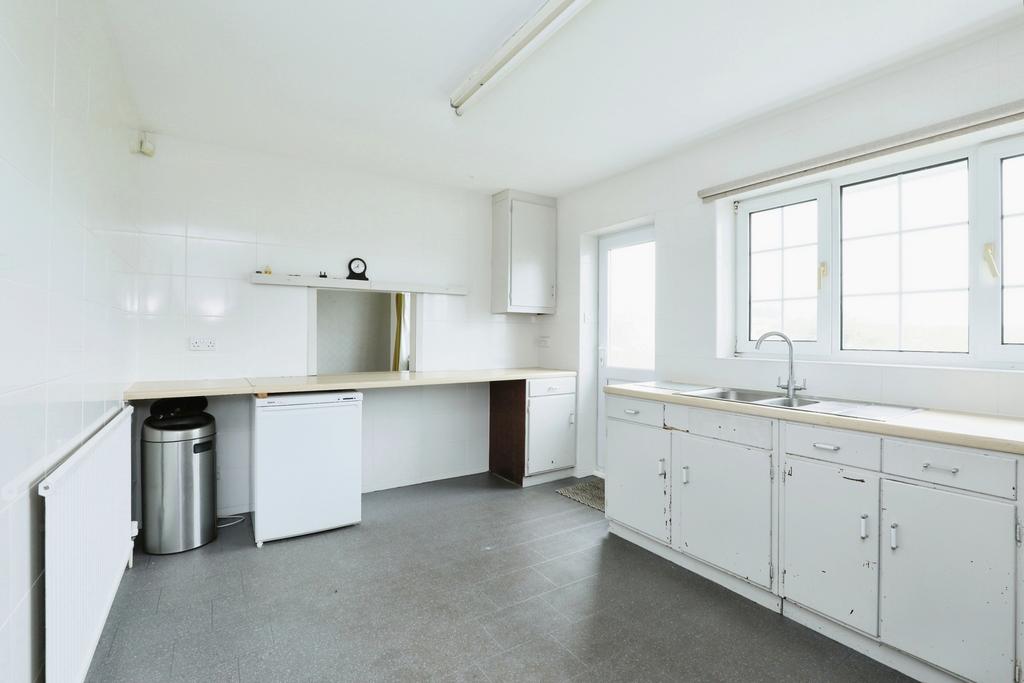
(677, 417)
(960, 468)
(635, 410)
(743, 429)
(554, 385)
(834, 445)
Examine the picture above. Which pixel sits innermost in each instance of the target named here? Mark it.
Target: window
(922, 263)
(905, 261)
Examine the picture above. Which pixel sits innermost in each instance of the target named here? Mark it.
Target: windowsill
(1008, 368)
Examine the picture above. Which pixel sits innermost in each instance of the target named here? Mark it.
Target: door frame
(606, 242)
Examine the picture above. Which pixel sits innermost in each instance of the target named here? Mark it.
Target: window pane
(766, 275)
(800, 223)
(1013, 315)
(871, 322)
(766, 230)
(765, 316)
(871, 265)
(800, 319)
(920, 272)
(934, 196)
(800, 272)
(934, 259)
(631, 306)
(871, 208)
(1013, 251)
(1013, 186)
(935, 322)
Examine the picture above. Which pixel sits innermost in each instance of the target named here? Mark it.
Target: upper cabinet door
(534, 239)
(948, 579)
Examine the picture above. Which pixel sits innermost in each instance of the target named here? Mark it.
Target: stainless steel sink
(867, 411)
(739, 395)
(787, 402)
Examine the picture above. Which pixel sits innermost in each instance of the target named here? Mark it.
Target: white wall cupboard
(524, 248)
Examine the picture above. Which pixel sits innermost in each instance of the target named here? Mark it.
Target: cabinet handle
(825, 446)
(552, 388)
(572, 418)
(631, 411)
(929, 466)
(892, 535)
(662, 472)
(684, 474)
(863, 526)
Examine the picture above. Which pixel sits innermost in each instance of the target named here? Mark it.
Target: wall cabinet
(722, 504)
(947, 579)
(830, 541)
(524, 244)
(637, 482)
(533, 429)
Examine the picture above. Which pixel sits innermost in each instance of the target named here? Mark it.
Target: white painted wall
(968, 77)
(67, 295)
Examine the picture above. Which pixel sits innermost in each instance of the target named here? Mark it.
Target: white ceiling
(366, 83)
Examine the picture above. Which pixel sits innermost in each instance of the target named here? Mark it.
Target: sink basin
(865, 411)
(741, 395)
(787, 402)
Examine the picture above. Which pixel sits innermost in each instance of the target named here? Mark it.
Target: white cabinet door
(722, 504)
(636, 478)
(532, 260)
(830, 541)
(947, 579)
(551, 433)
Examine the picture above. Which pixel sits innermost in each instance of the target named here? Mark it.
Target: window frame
(985, 347)
(820, 192)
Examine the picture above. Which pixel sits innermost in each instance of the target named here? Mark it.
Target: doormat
(590, 493)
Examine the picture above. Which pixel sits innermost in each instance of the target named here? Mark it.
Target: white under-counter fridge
(307, 462)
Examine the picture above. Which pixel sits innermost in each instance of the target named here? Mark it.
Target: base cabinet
(637, 478)
(947, 579)
(830, 541)
(550, 433)
(722, 505)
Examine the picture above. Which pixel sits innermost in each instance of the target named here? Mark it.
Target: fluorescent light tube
(549, 18)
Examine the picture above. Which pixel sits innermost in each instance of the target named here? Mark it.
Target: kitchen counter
(985, 432)
(355, 380)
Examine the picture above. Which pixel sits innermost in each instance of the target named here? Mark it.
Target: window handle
(990, 258)
(822, 272)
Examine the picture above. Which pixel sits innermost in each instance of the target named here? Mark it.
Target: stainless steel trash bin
(179, 482)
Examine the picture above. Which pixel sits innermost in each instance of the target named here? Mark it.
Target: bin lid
(178, 427)
(182, 406)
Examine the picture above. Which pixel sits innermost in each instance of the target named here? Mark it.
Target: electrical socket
(202, 343)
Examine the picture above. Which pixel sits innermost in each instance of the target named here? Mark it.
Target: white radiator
(88, 543)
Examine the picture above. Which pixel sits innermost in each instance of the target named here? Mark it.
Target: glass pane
(934, 196)
(871, 208)
(871, 322)
(766, 230)
(800, 272)
(630, 297)
(1013, 186)
(765, 316)
(800, 223)
(766, 275)
(1013, 315)
(935, 259)
(935, 322)
(1013, 251)
(871, 265)
(800, 319)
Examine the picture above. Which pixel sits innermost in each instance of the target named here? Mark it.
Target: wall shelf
(357, 285)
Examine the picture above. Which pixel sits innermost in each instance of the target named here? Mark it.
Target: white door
(533, 259)
(830, 541)
(636, 478)
(947, 579)
(551, 433)
(626, 293)
(722, 505)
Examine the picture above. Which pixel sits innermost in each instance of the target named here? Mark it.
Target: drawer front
(833, 445)
(677, 417)
(549, 387)
(749, 431)
(635, 410)
(960, 468)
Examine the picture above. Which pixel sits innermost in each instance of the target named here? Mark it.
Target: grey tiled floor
(468, 579)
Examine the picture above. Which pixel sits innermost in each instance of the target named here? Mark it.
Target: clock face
(357, 266)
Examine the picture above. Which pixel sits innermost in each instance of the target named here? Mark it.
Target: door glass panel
(630, 324)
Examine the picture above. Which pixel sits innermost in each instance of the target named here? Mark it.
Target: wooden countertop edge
(290, 385)
(897, 428)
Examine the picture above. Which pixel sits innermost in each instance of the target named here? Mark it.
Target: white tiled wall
(209, 216)
(68, 251)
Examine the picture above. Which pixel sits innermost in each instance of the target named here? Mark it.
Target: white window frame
(822, 193)
(985, 347)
